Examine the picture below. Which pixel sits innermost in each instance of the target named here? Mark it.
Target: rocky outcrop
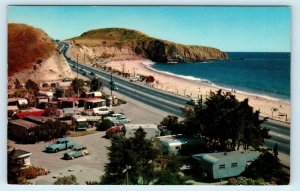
(120, 43)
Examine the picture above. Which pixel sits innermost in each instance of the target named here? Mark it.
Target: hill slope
(33, 54)
(26, 47)
(118, 43)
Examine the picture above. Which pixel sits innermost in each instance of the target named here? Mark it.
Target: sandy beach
(193, 88)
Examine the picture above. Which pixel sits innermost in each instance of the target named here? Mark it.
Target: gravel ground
(90, 167)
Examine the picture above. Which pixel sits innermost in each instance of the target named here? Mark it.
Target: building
(20, 158)
(224, 164)
(39, 119)
(171, 144)
(19, 128)
(150, 129)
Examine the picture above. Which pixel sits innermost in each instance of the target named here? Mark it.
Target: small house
(20, 158)
(150, 129)
(224, 164)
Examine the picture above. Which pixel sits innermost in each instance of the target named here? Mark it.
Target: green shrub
(104, 125)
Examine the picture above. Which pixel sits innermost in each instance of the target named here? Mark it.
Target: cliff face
(124, 43)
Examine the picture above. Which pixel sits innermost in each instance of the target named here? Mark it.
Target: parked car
(84, 73)
(118, 119)
(102, 111)
(92, 74)
(77, 151)
(135, 78)
(114, 130)
(193, 102)
(60, 144)
(67, 80)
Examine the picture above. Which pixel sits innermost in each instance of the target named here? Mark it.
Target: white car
(102, 111)
(118, 119)
(135, 78)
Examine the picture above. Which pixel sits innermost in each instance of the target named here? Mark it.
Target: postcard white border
(295, 93)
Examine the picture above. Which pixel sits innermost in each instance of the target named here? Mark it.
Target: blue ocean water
(264, 74)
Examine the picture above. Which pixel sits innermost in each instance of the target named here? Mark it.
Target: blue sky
(253, 29)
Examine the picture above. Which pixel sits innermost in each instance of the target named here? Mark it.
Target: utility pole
(77, 77)
(111, 83)
(126, 173)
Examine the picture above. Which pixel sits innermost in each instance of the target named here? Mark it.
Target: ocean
(263, 74)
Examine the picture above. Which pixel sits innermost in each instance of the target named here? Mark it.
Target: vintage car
(77, 151)
(60, 144)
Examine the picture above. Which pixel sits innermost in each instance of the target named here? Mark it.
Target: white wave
(148, 64)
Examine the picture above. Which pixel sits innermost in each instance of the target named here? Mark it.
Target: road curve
(279, 131)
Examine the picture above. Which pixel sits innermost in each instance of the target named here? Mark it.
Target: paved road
(171, 103)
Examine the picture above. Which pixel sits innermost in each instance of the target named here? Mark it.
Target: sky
(231, 29)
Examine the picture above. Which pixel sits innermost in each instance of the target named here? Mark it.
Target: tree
(66, 180)
(59, 92)
(225, 122)
(77, 85)
(137, 153)
(32, 87)
(17, 84)
(96, 84)
(268, 167)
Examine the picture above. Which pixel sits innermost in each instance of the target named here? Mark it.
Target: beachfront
(276, 109)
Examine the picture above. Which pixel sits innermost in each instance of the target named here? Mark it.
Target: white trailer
(150, 129)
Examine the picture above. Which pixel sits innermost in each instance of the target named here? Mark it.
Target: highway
(279, 131)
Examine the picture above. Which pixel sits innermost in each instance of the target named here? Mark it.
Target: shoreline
(268, 107)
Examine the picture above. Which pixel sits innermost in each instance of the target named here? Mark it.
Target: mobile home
(171, 144)
(150, 129)
(224, 164)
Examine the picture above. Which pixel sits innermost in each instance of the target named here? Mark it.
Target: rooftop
(22, 123)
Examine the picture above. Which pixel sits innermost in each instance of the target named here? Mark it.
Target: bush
(104, 125)
(32, 172)
(246, 181)
(66, 180)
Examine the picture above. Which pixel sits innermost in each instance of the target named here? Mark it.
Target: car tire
(72, 158)
(56, 150)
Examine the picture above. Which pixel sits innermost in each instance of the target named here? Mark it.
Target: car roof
(79, 146)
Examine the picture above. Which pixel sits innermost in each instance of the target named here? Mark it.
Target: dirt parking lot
(87, 168)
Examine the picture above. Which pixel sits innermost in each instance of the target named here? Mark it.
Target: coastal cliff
(120, 44)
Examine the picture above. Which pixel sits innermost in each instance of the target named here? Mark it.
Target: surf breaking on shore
(189, 86)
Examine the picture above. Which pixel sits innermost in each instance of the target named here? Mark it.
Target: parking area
(87, 168)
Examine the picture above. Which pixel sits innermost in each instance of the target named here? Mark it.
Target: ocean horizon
(264, 74)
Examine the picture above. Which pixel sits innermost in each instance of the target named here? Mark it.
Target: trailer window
(234, 164)
(222, 166)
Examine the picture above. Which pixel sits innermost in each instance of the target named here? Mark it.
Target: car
(77, 151)
(118, 119)
(114, 130)
(67, 80)
(114, 87)
(92, 74)
(80, 69)
(135, 78)
(60, 144)
(193, 102)
(102, 111)
(84, 73)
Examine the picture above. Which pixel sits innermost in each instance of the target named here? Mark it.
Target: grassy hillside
(27, 46)
(148, 47)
